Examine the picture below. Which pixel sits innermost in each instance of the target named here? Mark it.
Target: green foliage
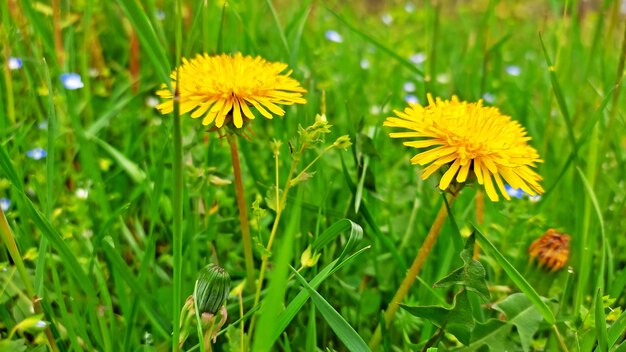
(89, 228)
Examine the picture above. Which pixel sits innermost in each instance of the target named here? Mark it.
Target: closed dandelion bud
(213, 288)
(551, 250)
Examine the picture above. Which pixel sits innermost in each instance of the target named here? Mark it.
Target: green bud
(213, 288)
(342, 142)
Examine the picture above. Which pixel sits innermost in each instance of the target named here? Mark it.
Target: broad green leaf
(516, 277)
(520, 311)
(471, 275)
(332, 232)
(493, 334)
(340, 326)
(458, 320)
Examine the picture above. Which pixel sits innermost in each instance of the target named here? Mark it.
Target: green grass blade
(516, 277)
(601, 331)
(298, 302)
(150, 43)
(340, 326)
(558, 93)
(356, 233)
(616, 330)
(279, 27)
(274, 300)
(406, 63)
(133, 171)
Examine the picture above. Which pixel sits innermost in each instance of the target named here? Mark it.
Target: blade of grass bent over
(340, 326)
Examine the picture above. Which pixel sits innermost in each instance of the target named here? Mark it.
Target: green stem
(279, 210)
(243, 210)
(178, 220)
(413, 272)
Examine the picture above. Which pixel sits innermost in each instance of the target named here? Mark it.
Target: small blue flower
(408, 87)
(36, 153)
(513, 70)
(489, 98)
(43, 125)
(15, 63)
(5, 204)
(417, 58)
(411, 99)
(334, 36)
(514, 192)
(72, 81)
(160, 15)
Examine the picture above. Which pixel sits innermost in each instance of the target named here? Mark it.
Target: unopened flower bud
(213, 288)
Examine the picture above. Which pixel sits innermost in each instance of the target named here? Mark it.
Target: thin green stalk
(8, 81)
(413, 271)
(177, 162)
(243, 210)
(279, 207)
(177, 198)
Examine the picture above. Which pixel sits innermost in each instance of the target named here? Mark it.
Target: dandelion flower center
(468, 137)
(224, 88)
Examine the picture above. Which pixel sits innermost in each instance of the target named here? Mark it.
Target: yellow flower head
(223, 88)
(464, 137)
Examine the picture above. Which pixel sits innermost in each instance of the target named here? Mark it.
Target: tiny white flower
(82, 193)
(443, 78)
(411, 99)
(15, 63)
(40, 324)
(375, 110)
(365, 64)
(160, 15)
(534, 199)
(417, 58)
(409, 7)
(386, 18)
(93, 72)
(152, 102)
(408, 87)
(43, 125)
(72, 81)
(334, 36)
(513, 70)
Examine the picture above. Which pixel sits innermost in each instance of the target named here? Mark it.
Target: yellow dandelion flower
(468, 137)
(223, 88)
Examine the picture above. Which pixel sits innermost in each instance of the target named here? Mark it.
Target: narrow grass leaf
(340, 326)
(298, 302)
(601, 330)
(406, 63)
(516, 277)
(133, 171)
(150, 43)
(558, 93)
(617, 330)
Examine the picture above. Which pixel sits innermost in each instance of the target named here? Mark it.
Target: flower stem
(280, 204)
(414, 270)
(243, 210)
(177, 196)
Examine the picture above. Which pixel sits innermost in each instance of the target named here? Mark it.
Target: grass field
(110, 209)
